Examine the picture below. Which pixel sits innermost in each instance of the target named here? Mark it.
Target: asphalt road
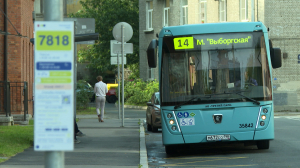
(112, 111)
(284, 151)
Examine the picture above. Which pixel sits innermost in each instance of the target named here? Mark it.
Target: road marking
(205, 159)
(171, 165)
(297, 117)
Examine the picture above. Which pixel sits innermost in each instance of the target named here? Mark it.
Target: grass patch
(87, 111)
(31, 122)
(14, 139)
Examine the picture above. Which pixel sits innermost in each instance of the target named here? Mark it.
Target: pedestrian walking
(100, 91)
(77, 132)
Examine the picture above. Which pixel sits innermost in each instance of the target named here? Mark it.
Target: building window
(244, 10)
(166, 13)
(202, 11)
(222, 10)
(151, 74)
(184, 12)
(149, 15)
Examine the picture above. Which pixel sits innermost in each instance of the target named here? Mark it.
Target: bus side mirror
(276, 58)
(152, 54)
(149, 104)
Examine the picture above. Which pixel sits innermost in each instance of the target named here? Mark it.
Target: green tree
(107, 13)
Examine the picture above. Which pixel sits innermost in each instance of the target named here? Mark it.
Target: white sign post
(54, 86)
(122, 32)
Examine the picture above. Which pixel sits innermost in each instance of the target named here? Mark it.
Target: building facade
(281, 17)
(16, 53)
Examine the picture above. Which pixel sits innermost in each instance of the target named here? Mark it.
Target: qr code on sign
(66, 99)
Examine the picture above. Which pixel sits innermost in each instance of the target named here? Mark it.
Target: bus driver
(248, 81)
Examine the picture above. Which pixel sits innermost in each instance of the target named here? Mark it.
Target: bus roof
(227, 27)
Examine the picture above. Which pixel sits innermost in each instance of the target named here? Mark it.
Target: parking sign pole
(122, 30)
(118, 63)
(75, 78)
(54, 12)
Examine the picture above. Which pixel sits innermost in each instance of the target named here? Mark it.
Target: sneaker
(76, 141)
(80, 134)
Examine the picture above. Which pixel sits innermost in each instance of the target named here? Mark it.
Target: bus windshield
(215, 68)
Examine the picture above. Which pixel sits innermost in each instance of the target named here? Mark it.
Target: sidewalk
(106, 145)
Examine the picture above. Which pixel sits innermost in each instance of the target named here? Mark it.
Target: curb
(132, 106)
(136, 107)
(286, 113)
(143, 149)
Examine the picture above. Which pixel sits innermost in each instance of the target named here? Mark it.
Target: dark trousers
(75, 129)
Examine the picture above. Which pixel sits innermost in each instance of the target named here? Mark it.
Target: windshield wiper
(177, 106)
(209, 96)
(239, 93)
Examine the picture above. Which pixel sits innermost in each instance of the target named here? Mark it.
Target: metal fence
(13, 98)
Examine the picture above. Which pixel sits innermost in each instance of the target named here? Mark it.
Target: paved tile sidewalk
(106, 144)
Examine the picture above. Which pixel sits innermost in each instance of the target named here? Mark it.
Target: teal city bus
(215, 83)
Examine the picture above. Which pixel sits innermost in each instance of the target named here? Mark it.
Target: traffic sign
(111, 47)
(117, 48)
(114, 60)
(117, 33)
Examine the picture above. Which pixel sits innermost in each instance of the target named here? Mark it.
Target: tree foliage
(107, 13)
(138, 92)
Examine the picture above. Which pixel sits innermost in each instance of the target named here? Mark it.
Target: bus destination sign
(213, 41)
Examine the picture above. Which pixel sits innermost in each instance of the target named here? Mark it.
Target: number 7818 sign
(54, 40)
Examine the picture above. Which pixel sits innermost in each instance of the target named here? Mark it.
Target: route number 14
(186, 42)
(183, 43)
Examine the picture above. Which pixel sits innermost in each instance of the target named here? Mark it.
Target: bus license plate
(218, 137)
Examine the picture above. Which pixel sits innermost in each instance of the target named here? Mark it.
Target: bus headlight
(262, 123)
(171, 122)
(173, 128)
(263, 117)
(169, 115)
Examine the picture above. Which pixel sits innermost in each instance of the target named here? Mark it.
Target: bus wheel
(264, 144)
(170, 149)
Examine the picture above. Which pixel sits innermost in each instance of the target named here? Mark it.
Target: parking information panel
(54, 86)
